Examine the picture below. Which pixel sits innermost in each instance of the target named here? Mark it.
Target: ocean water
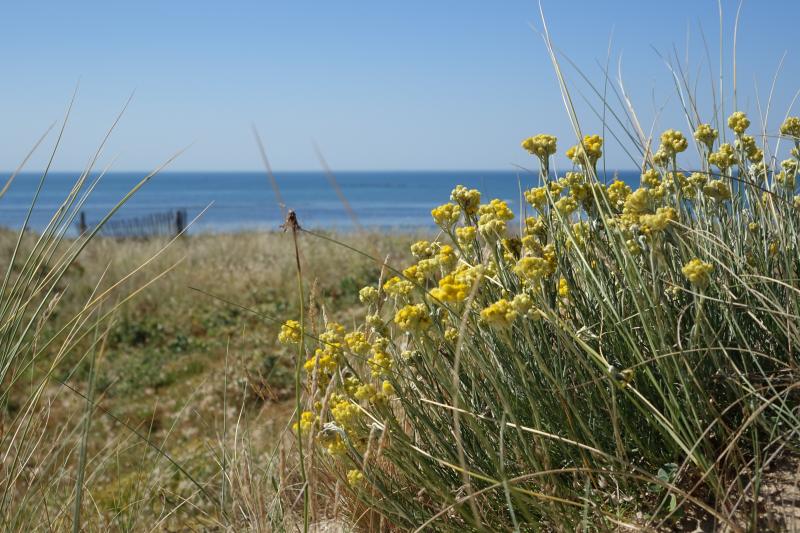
(236, 201)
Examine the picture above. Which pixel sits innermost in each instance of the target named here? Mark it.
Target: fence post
(180, 221)
(82, 223)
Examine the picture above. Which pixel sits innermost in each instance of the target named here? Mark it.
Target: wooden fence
(166, 224)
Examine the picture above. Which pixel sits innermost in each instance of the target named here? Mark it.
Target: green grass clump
(615, 356)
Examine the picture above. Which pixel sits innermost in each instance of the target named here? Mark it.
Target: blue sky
(378, 85)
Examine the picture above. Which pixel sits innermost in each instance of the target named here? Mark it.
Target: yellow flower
(537, 197)
(397, 287)
(492, 218)
(563, 288)
(566, 205)
(535, 226)
(659, 221)
(724, 158)
(365, 392)
(333, 334)
(706, 135)
(422, 249)
(368, 295)
(738, 122)
(387, 388)
(542, 145)
(446, 216)
(791, 127)
(290, 332)
(673, 142)
(591, 147)
(618, 192)
(534, 269)
(718, 190)
(413, 318)
(451, 334)
(354, 478)
(747, 143)
(467, 199)
(698, 179)
(698, 272)
(307, 419)
(455, 286)
(796, 202)
(637, 204)
(345, 413)
(466, 235)
(651, 178)
(357, 342)
(499, 314)
(335, 445)
(380, 362)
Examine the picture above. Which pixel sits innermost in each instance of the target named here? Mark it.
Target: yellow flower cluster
(413, 317)
(368, 295)
(355, 478)
(534, 269)
(673, 142)
(290, 332)
(357, 342)
(618, 192)
(636, 205)
(345, 412)
(791, 127)
(542, 145)
(590, 148)
(718, 190)
(306, 422)
(422, 250)
(467, 199)
(397, 287)
(738, 122)
(698, 272)
(724, 158)
(465, 235)
(500, 314)
(381, 362)
(659, 221)
(747, 143)
(455, 286)
(446, 216)
(651, 178)
(492, 218)
(537, 197)
(706, 134)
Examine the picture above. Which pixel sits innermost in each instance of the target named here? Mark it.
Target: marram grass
(607, 357)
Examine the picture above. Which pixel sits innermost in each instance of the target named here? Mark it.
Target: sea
(241, 201)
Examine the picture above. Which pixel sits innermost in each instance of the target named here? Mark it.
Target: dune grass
(610, 357)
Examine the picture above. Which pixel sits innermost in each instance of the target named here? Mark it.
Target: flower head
(446, 215)
(500, 314)
(791, 127)
(542, 145)
(467, 199)
(706, 135)
(698, 272)
(673, 142)
(413, 318)
(738, 122)
(590, 148)
(290, 332)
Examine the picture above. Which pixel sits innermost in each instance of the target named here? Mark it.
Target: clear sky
(417, 84)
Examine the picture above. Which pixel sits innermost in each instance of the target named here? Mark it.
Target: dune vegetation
(612, 356)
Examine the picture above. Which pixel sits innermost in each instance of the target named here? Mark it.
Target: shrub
(625, 351)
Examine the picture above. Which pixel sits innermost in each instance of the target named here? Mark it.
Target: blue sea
(236, 201)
